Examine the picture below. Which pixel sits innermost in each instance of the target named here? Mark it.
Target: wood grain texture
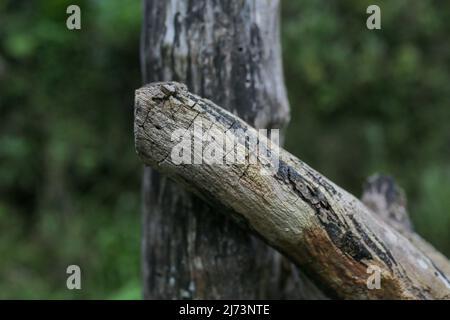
(229, 51)
(322, 228)
(388, 200)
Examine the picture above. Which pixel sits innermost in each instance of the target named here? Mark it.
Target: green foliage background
(362, 102)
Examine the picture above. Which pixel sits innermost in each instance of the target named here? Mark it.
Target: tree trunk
(228, 51)
(322, 228)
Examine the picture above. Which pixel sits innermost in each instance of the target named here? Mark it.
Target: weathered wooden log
(388, 200)
(229, 50)
(323, 229)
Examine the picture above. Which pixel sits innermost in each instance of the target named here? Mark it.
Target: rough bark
(320, 227)
(229, 50)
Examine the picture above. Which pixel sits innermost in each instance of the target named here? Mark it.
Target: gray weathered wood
(386, 199)
(229, 50)
(321, 228)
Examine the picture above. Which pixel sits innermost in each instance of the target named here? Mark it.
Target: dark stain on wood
(338, 230)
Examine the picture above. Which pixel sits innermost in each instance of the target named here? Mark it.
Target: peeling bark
(320, 227)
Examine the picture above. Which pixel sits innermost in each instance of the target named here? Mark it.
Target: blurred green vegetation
(69, 179)
(362, 102)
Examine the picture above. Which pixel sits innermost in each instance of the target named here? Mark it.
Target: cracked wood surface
(323, 229)
(229, 50)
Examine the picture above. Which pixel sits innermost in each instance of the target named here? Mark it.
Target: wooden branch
(234, 56)
(388, 200)
(323, 229)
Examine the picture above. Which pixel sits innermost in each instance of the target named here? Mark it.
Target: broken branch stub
(323, 229)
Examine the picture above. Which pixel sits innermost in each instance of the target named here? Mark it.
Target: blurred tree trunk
(229, 52)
